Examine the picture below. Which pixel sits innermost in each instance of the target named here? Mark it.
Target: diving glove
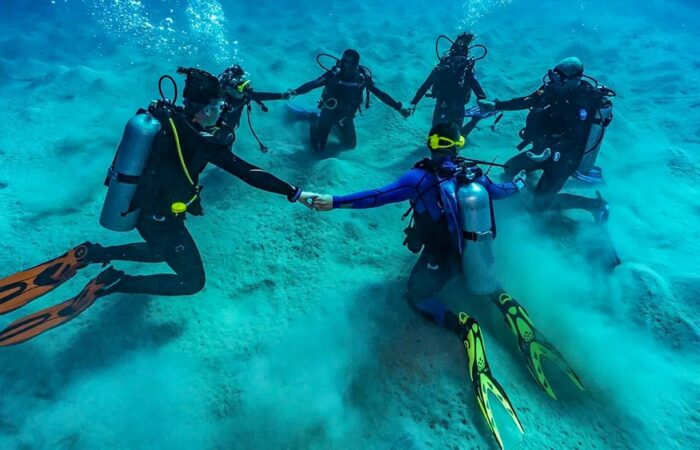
(519, 180)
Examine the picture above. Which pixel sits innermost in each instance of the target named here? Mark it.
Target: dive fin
(300, 113)
(481, 377)
(21, 288)
(532, 344)
(476, 112)
(31, 326)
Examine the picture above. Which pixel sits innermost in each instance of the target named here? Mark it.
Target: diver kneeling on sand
(238, 94)
(565, 125)
(452, 82)
(153, 185)
(344, 86)
(453, 226)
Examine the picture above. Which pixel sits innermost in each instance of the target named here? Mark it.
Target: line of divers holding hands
(153, 184)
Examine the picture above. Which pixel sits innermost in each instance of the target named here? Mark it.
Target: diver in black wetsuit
(452, 81)
(345, 86)
(238, 95)
(562, 112)
(168, 189)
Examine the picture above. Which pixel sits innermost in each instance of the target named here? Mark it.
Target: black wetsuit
(342, 97)
(163, 183)
(452, 82)
(234, 106)
(561, 124)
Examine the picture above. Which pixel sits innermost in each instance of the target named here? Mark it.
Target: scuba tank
(587, 170)
(124, 175)
(478, 230)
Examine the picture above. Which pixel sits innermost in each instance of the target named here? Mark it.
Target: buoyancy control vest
(449, 229)
(348, 93)
(128, 185)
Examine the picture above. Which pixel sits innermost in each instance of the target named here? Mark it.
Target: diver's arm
(311, 85)
(383, 96)
(498, 191)
(405, 188)
(265, 96)
(423, 89)
(475, 86)
(520, 103)
(252, 175)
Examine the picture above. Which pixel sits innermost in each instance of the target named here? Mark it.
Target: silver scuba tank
(602, 119)
(478, 260)
(124, 175)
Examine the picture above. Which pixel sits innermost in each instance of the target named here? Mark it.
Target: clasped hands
(318, 202)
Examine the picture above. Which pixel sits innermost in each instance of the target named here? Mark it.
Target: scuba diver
(452, 227)
(153, 184)
(342, 97)
(452, 82)
(238, 94)
(565, 126)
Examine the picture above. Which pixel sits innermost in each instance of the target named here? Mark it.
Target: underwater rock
(654, 307)
(680, 163)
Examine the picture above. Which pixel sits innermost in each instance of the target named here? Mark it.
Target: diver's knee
(192, 284)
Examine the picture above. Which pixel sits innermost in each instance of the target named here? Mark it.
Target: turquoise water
(301, 338)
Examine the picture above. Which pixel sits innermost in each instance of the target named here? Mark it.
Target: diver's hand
(544, 156)
(486, 106)
(290, 93)
(519, 180)
(412, 109)
(405, 112)
(307, 199)
(323, 202)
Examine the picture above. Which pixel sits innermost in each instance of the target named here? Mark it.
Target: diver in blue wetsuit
(453, 226)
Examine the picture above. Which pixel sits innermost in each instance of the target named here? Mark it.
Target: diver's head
(234, 82)
(566, 76)
(349, 62)
(202, 96)
(445, 141)
(461, 44)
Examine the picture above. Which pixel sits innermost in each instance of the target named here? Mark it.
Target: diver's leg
(321, 129)
(469, 127)
(430, 274)
(171, 241)
(441, 113)
(520, 162)
(554, 177)
(348, 135)
(137, 252)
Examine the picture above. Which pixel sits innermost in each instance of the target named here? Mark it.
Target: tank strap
(128, 179)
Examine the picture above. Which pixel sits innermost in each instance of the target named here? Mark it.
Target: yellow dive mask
(244, 86)
(436, 142)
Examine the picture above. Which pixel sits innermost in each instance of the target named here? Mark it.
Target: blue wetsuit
(430, 187)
